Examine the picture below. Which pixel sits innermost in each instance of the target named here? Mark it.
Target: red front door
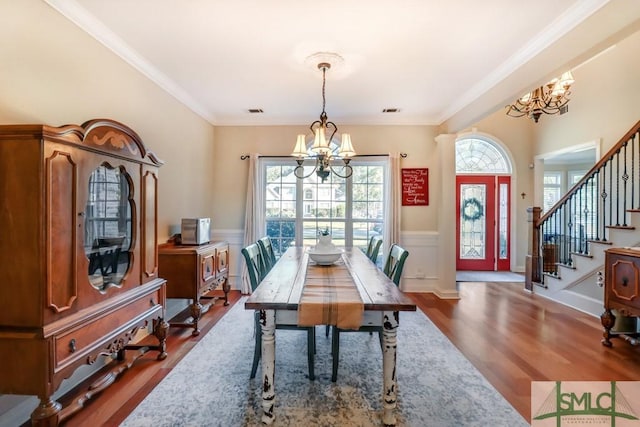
(482, 223)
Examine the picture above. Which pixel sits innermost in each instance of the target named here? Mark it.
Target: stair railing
(599, 201)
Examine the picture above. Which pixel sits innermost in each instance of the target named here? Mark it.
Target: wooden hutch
(78, 250)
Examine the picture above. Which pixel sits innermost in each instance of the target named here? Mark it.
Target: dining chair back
(395, 263)
(255, 264)
(374, 247)
(268, 255)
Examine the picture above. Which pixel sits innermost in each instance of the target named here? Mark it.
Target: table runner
(330, 297)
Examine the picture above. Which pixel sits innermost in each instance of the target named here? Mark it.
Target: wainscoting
(420, 271)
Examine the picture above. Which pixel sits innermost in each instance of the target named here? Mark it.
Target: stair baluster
(586, 212)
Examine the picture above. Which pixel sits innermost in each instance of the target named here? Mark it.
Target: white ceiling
(432, 59)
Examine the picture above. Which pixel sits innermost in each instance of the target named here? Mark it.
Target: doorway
(482, 223)
(483, 200)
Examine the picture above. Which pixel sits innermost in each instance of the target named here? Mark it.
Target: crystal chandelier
(321, 150)
(552, 98)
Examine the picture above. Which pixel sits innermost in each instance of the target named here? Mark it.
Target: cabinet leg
(226, 288)
(46, 414)
(196, 313)
(160, 330)
(608, 320)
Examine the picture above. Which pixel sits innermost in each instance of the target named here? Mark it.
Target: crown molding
(564, 23)
(75, 13)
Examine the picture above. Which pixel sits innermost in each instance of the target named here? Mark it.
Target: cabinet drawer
(91, 335)
(222, 258)
(623, 280)
(207, 267)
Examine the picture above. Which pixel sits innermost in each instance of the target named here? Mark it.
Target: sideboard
(192, 272)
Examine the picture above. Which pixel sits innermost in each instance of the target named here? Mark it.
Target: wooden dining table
(278, 298)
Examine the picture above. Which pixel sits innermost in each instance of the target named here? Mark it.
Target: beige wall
(230, 174)
(52, 72)
(605, 101)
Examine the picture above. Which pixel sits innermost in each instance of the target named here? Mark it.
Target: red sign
(415, 187)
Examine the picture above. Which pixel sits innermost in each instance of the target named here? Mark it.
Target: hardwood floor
(512, 337)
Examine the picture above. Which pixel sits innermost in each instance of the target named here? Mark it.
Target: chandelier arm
(317, 122)
(515, 112)
(347, 167)
(335, 129)
(300, 167)
(554, 107)
(561, 102)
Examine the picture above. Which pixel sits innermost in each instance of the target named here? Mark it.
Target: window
(475, 155)
(552, 189)
(575, 176)
(295, 209)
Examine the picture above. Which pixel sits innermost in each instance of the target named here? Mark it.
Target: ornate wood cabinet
(191, 273)
(621, 288)
(78, 250)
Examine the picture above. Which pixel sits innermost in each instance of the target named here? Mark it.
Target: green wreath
(471, 209)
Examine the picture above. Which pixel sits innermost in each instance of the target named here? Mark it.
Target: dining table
(350, 292)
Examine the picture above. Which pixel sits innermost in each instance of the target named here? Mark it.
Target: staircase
(567, 243)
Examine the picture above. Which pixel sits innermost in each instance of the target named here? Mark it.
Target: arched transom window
(475, 155)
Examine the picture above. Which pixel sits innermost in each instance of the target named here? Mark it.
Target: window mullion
(348, 215)
(299, 211)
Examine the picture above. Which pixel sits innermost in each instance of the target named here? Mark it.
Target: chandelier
(551, 98)
(321, 149)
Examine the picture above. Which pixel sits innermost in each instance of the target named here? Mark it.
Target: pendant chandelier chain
(324, 66)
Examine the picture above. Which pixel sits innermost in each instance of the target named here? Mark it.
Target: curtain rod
(246, 156)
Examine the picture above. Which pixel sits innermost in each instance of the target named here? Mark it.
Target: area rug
(437, 385)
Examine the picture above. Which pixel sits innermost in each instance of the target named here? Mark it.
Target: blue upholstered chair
(256, 266)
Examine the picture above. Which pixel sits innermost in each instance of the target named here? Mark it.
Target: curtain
(254, 214)
(392, 208)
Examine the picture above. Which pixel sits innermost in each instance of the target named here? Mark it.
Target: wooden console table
(192, 272)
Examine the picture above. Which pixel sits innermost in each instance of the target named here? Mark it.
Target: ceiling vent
(391, 110)
(256, 110)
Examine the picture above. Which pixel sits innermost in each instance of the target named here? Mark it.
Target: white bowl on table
(325, 256)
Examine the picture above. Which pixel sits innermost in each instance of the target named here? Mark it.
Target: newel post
(533, 272)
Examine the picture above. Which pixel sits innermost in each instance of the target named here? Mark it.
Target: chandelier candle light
(321, 149)
(552, 98)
